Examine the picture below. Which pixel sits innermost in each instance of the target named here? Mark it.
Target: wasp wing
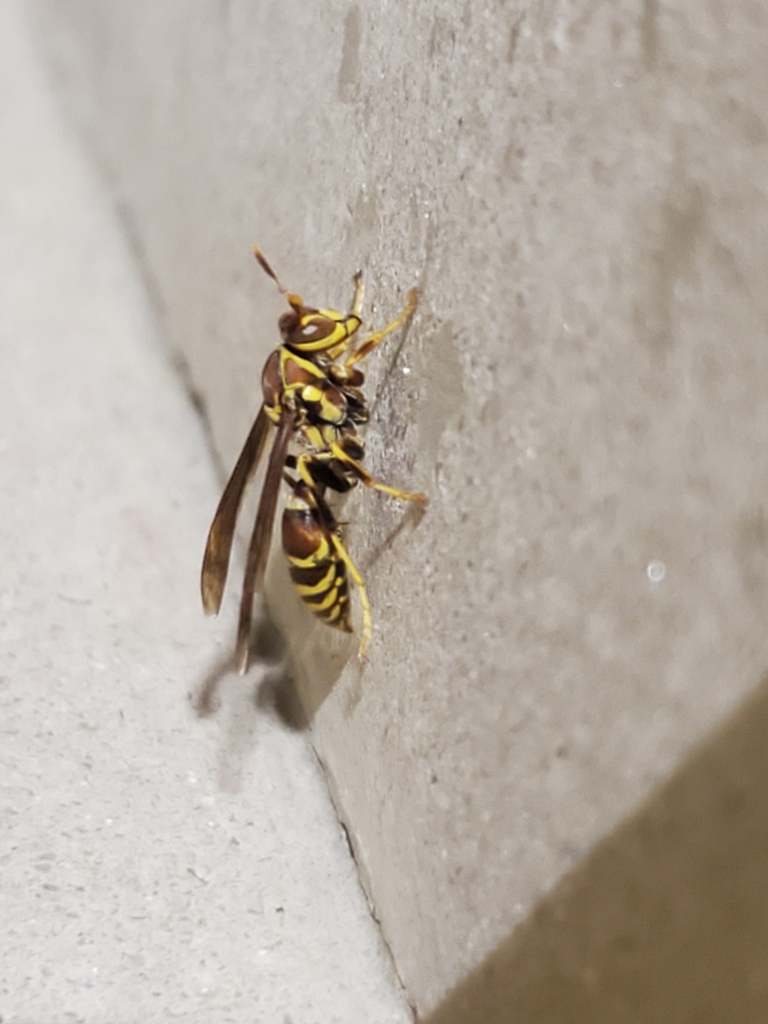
(218, 547)
(258, 549)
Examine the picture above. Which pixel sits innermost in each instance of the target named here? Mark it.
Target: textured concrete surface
(579, 190)
(153, 866)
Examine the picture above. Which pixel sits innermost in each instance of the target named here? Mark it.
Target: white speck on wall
(656, 572)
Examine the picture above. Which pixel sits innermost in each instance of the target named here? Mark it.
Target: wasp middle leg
(358, 470)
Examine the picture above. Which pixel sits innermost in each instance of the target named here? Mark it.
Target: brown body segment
(317, 571)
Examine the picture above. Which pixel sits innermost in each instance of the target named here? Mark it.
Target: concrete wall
(579, 192)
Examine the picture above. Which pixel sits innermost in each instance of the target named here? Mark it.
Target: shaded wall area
(665, 921)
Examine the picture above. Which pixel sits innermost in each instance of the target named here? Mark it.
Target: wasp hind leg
(359, 582)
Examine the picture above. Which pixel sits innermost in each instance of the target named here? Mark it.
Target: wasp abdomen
(317, 571)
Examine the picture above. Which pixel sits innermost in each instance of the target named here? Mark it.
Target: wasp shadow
(275, 690)
(242, 702)
(412, 516)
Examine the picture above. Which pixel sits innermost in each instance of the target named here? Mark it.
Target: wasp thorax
(324, 401)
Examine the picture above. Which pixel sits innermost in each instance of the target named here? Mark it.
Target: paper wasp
(311, 387)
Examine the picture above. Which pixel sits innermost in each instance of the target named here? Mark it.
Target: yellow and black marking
(318, 561)
(312, 394)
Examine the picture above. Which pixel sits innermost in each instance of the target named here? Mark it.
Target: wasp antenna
(267, 269)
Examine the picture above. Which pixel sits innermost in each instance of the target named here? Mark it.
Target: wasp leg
(365, 477)
(357, 301)
(359, 582)
(376, 339)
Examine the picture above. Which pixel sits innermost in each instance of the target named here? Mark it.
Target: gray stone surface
(579, 191)
(153, 866)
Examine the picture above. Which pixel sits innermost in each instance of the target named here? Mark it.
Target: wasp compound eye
(287, 324)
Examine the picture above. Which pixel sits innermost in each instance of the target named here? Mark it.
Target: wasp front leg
(357, 301)
(376, 339)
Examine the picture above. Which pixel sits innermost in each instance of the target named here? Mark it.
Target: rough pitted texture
(578, 190)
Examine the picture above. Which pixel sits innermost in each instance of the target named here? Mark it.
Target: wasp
(312, 400)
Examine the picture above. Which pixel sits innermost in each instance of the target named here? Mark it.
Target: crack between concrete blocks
(369, 902)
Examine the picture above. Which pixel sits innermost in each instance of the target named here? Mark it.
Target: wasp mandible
(311, 386)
